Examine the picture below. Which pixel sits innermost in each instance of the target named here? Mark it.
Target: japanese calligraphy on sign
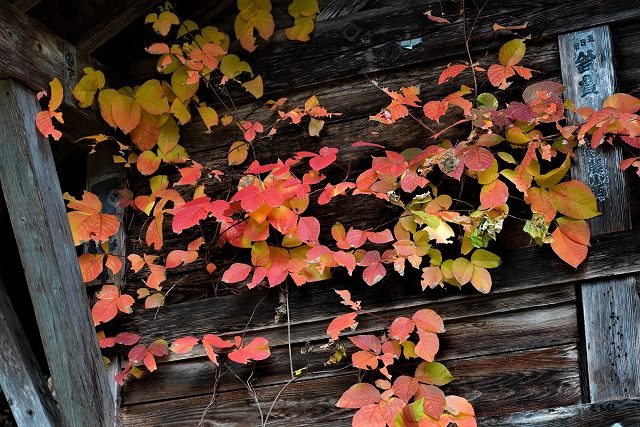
(584, 59)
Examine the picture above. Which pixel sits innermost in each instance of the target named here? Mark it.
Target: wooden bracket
(611, 307)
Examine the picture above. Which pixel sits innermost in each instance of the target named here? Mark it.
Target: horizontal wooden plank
(329, 56)
(532, 379)
(519, 271)
(498, 332)
(625, 412)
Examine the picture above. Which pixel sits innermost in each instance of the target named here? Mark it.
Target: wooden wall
(517, 349)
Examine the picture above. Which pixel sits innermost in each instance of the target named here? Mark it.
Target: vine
(515, 154)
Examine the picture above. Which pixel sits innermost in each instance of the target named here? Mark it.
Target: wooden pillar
(38, 216)
(611, 307)
(21, 379)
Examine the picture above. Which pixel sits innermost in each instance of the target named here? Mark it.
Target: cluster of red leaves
(404, 400)
(140, 355)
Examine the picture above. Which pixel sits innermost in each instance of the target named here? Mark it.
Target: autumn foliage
(514, 153)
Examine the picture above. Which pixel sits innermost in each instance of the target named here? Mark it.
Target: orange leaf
(184, 344)
(571, 240)
(451, 71)
(494, 194)
(91, 265)
(87, 222)
(125, 112)
(428, 320)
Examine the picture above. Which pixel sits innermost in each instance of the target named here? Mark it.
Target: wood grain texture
(328, 56)
(38, 216)
(526, 379)
(338, 8)
(25, 5)
(21, 379)
(625, 412)
(33, 56)
(533, 327)
(110, 20)
(610, 307)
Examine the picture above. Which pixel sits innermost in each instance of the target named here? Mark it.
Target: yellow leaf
(151, 97)
(231, 66)
(177, 155)
(302, 27)
(180, 111)
(512, 52)
(315, 126)
(56, 95)
(169, 135)
(554, 176)
(89, 84)
(238, 153)
(481, 279)
(187, 27)
(226, 120)
(299, 8)
(162, 23)
(179, 85)
(209, 116)
(254, 87)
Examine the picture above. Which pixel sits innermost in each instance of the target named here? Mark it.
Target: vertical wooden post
(32, 192)
(611, 308)
(20, 377)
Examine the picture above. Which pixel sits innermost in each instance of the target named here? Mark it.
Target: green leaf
(484, 258)
(433, 373)
(487, 100)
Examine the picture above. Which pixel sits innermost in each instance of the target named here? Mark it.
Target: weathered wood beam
(328, 56)
(611, 307)
(25, 5)
(21, 379)
(109, 21)
(504, 323)
(625, 412)
(540, 376)
(519, 271)
(338, 8)
(38, 216)
(34, 55)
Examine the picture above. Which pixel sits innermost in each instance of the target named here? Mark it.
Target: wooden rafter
(38, 217)
(37, 55)
(113, 18)
(25, 5)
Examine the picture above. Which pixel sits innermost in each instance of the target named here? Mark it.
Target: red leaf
(428, 320)
(367, 342)
(257, 349)
(401, 328)
(451, 71)
(478, 158)
(359, 395)
(437, 19)
(369, 416)
(366, 144)
(364, 360)
(346, 298)
(341, 323)
(236, 273)
(428, 346)
(308, 229)
(405, 387)
(127, 338)
(189, 214)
